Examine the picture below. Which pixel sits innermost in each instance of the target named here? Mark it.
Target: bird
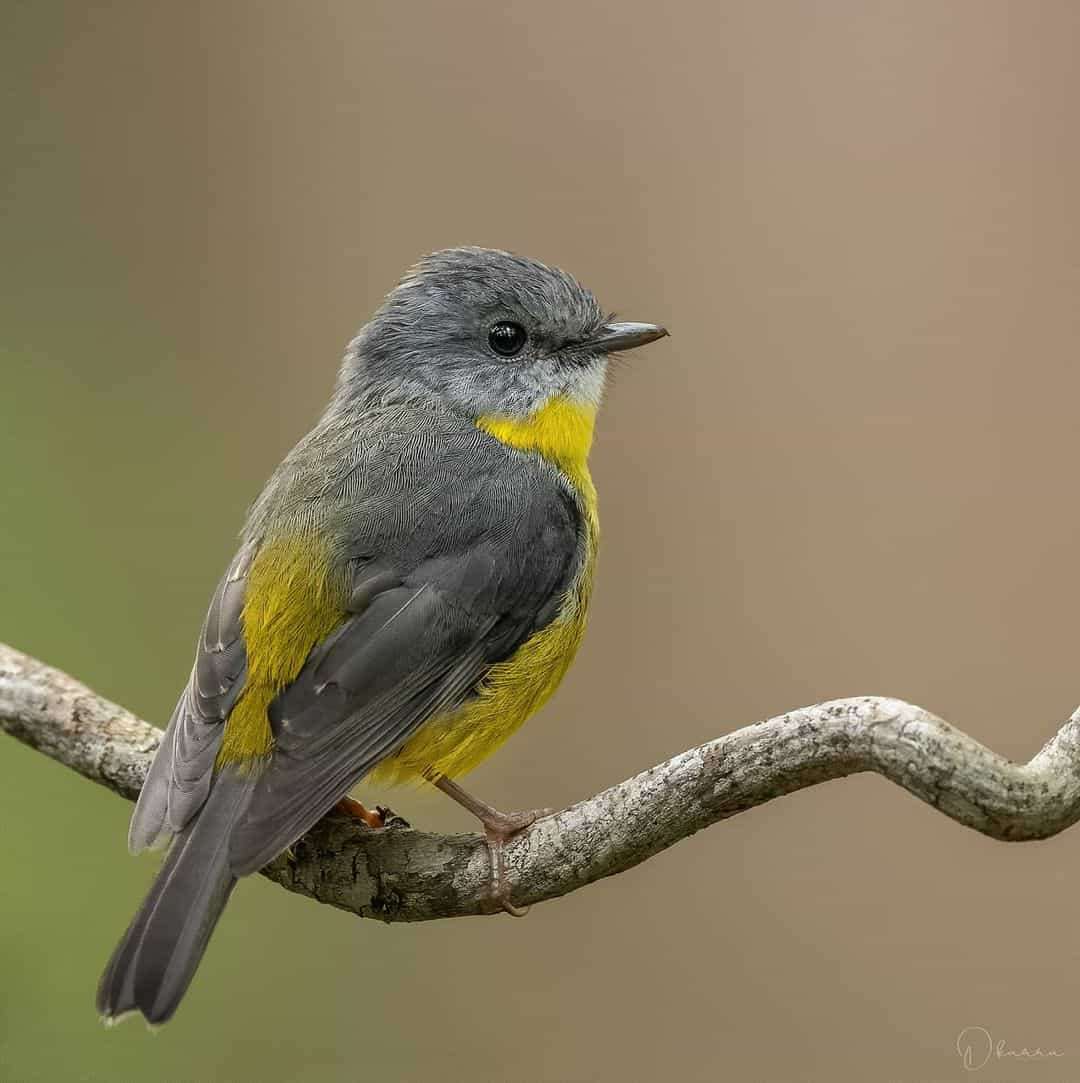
(411, 585)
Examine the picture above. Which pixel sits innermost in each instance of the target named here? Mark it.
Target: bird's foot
(499, 829)
(390, 819)
(377, 818)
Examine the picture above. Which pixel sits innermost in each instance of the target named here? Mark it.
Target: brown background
(851, 469)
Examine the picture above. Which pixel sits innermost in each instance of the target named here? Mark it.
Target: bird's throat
(561, 431)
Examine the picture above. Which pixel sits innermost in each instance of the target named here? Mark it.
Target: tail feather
(155, 961)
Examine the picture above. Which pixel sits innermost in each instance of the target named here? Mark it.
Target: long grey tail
(155, 961)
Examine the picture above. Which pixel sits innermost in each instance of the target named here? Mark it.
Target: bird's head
(490, 334)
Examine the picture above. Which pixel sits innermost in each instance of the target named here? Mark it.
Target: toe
(390, 819)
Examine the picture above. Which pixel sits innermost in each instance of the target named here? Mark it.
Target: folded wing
(419, 647)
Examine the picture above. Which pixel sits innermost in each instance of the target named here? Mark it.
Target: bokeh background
(852, 469)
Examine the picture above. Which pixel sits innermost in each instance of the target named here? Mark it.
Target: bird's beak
(625, 336)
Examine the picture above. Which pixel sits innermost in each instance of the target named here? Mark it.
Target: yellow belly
(454, 743)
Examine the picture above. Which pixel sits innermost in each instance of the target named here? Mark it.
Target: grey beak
(625, 336)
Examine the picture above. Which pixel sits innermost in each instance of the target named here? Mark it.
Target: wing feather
(357, 700)
(179, 778)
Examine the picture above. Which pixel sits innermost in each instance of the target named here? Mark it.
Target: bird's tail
(155, 961)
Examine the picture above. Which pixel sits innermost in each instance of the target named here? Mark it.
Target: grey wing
(420, 646)
(179, 778)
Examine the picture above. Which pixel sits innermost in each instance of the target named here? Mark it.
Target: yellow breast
(455, 743)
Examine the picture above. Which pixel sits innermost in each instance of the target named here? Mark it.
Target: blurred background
(852, 469)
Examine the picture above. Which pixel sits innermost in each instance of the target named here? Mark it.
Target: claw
(391, 820)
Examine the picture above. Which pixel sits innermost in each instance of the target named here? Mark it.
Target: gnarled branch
(407, 875)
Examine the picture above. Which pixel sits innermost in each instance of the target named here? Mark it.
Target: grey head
(486, 332)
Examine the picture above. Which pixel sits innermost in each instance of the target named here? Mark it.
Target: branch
(407, 875)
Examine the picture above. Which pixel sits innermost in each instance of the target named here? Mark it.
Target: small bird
(410, 586)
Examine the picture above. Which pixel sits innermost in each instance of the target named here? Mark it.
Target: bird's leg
(499, 828)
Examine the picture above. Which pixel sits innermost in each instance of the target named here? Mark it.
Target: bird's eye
(507, 338)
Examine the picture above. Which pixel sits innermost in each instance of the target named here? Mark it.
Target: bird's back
(409, 486)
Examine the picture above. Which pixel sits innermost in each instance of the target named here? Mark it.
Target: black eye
(507, 339)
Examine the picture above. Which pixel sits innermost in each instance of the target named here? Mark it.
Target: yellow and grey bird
(410, 587)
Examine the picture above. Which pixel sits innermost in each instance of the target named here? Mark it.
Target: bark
(399, 874)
